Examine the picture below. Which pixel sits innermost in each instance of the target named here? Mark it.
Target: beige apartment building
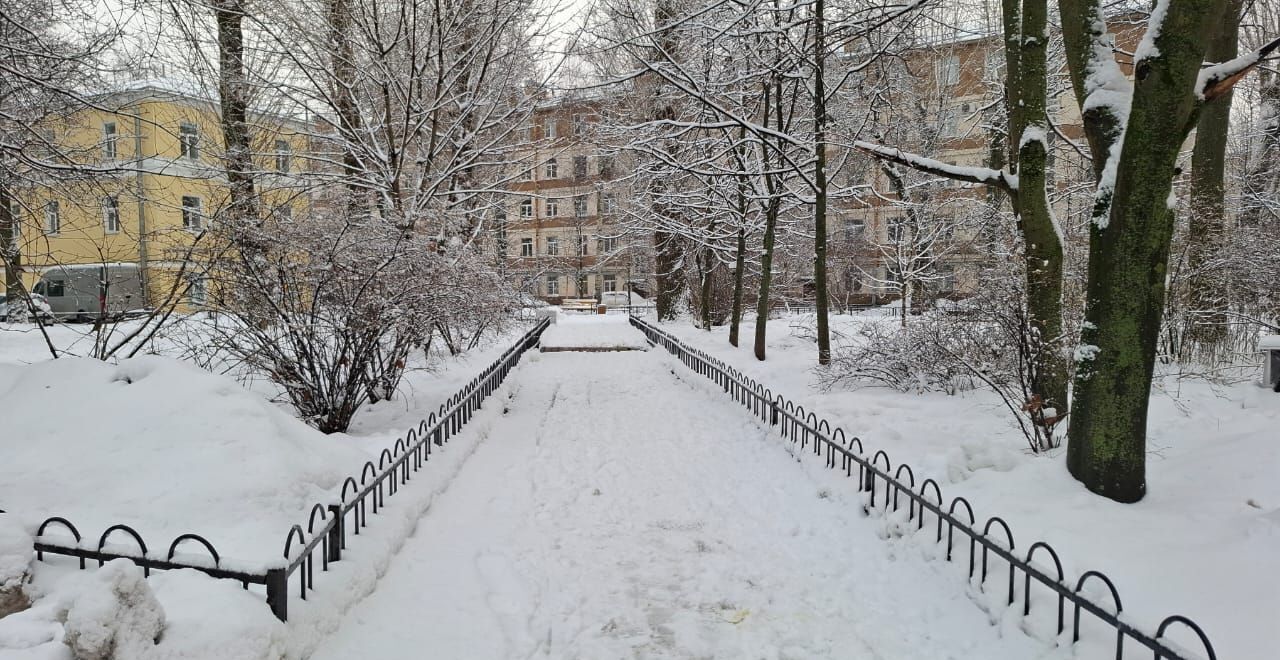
(561, 230)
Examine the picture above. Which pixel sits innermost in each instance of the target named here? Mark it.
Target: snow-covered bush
(111, 613)
(15, 565)
(984, 341)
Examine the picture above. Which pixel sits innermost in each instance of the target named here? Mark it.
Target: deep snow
(618, 510)
(1204, 543)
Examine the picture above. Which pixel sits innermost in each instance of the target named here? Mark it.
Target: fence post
(773, 412)
(278, 593)
(337, 536)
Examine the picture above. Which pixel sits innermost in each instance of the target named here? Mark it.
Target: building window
(189, 140)
(526, 208)
(607, 245)
(197, 290)
(605, 204)
(579, 167)
(553, 246)
(526, 174)
(111, 214)
(580, 206)
(605, 165)
(526, 134)
(551, 168)
(549, 127)
(284, 154)
(53, 219)
(949, 70)
(855, 229)
(579, 124)
(610, 283)
(109, 141)
(526, 247)
(553, 207)
(895, 230)
(583, 242)
(553, 285)
(192, 214)
(15, 220)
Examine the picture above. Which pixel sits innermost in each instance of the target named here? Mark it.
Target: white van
(88, 292)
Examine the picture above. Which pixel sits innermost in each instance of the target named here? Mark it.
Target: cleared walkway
(621, 511)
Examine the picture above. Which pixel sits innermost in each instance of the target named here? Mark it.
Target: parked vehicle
(88, 292)
(41, 305)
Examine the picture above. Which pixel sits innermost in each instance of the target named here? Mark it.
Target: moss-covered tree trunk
(1029, 128)
(1208, 283)
(1129, 252)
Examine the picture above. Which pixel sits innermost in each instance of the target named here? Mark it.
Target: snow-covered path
(622, 508)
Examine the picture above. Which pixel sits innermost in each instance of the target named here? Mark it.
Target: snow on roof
(1269, 343)
(190, 89)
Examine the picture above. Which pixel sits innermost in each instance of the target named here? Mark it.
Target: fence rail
(327, 523)
(837, 448)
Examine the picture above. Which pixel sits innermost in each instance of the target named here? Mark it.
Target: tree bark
(1207, 284)
(234, 92)
(735, 319)
(1042, 245)
(1128, 261)
(820, 182)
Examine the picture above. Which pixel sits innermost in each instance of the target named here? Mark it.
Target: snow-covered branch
(982, 175)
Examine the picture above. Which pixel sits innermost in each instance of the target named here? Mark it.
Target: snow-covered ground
(1205, 542)
(611, 331)
(620, 511)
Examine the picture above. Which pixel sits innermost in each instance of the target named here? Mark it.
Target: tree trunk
(705, 265)
(766, 275)
(1042, 245)
(1208, 284)
(667, 276)
(735, 319)
(820, 182)
(1128, 260)
(233, 90)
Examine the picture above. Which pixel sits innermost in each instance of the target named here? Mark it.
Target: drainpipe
(144, 275)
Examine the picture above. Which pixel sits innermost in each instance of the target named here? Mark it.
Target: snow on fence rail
(801, 427)
(376, 482)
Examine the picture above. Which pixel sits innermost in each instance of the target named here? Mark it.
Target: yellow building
(147, 183)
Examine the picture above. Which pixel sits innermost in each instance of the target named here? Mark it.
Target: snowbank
(111, 613)
(164, 447)
(1203, 543)
(15, 564)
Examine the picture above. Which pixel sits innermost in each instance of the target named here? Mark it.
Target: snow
(1218, 72)
(1086, 352)
(623, 507)
(593, 331)
(165, 448)
(1203, 543)
(111, 613)
(15, 554)
(984, 175)
(1147, 47)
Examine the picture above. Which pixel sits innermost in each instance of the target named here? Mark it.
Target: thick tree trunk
(233, 89)
(1208, 283)
(1042, 245)
(705, 265)
(1128, 261)
(820, 182)
(766, 276)
(668, 278)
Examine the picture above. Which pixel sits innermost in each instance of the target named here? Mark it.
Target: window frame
(526, 208)
(192, 215)
(551, 169)
(110, 135)
(52, 218)
(526, 247)
(283, 156)
(111, 214)
(553, 246)
(553, 284)
(189, 140)
(552, 207)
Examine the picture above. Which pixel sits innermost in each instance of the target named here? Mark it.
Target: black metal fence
(328, 524)
(889, 489)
